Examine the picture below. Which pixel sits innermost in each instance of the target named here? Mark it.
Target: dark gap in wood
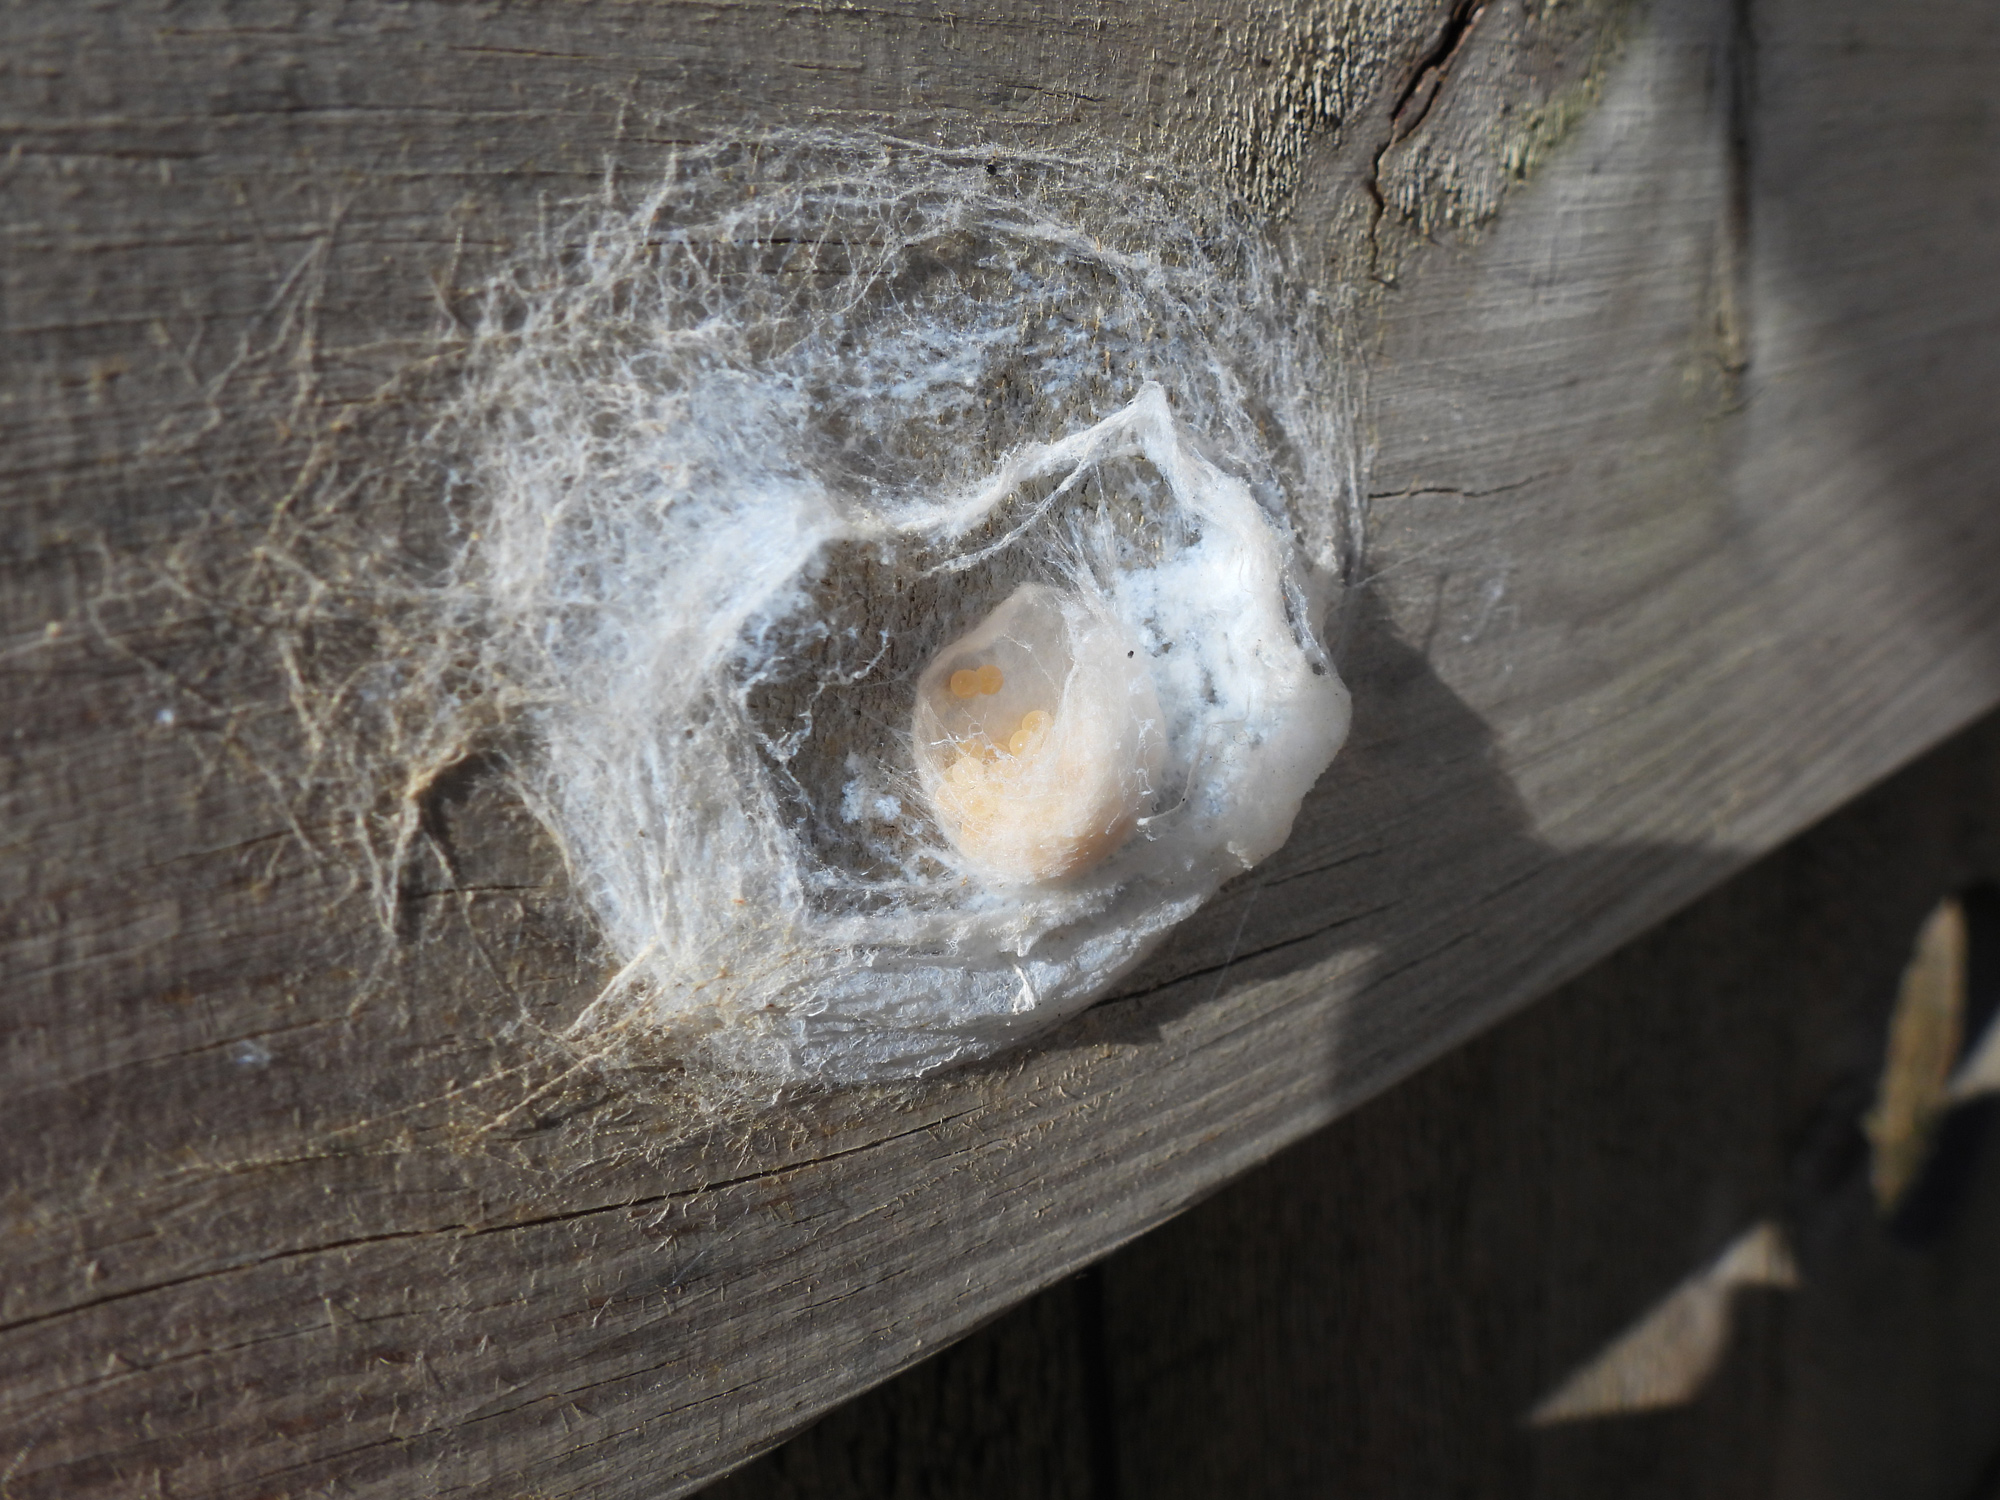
(1100, 1398)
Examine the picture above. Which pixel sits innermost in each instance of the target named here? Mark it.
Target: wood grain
(1681, 470)
(1377, 1309)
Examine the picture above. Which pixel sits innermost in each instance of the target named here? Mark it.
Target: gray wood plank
(1014, 1412)
(1682, 497)
(1379, 1308)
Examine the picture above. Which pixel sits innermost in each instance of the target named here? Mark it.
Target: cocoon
(900, 573)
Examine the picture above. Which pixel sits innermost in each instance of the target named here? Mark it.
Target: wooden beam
(1674, 365)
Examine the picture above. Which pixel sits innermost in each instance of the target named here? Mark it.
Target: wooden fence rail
(1676, 329)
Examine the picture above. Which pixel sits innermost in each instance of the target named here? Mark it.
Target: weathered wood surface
(1377, 1310)
(1677, 403)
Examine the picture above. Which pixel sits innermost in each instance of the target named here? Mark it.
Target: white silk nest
(753, 469)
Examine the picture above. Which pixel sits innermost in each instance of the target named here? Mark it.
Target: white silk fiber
(736, 459)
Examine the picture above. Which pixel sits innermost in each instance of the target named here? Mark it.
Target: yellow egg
(1027, 740)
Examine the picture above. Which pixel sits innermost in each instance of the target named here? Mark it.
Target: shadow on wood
(1380, 1309)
